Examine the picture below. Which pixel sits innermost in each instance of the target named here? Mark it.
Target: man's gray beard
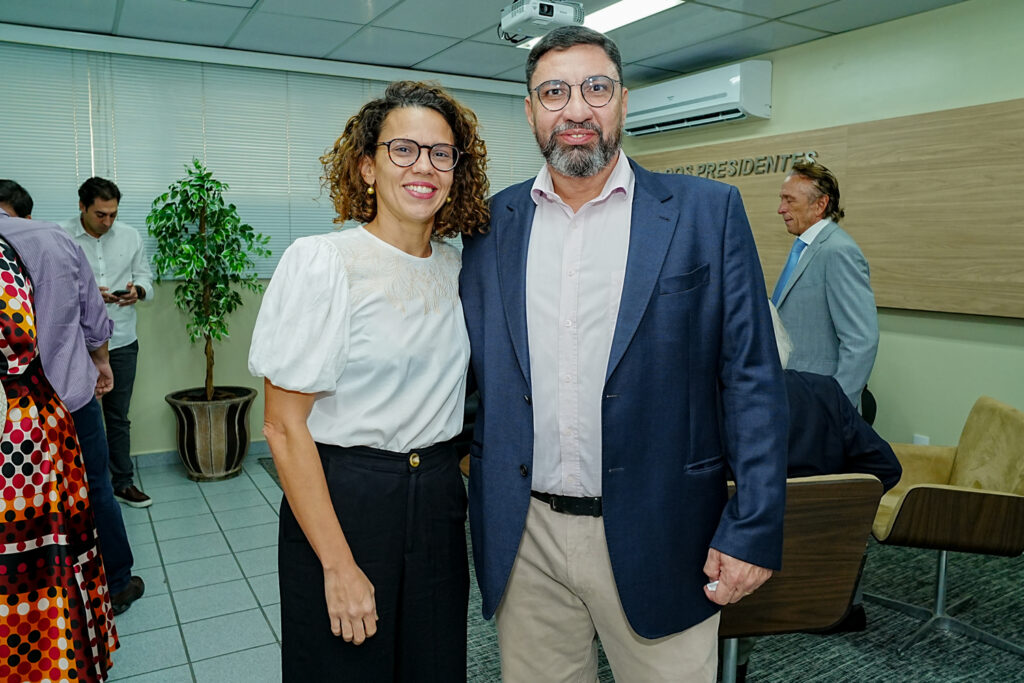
(580, 161)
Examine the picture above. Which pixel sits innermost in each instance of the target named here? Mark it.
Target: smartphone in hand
(119, 293)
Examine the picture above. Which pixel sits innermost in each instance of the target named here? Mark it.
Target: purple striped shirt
(70, 316)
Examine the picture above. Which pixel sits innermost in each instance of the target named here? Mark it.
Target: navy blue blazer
(828, 436)
(693, 377)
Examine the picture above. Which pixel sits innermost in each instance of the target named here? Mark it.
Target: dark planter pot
(213, 436)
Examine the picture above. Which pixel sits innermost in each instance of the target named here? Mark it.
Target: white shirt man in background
(115, 252)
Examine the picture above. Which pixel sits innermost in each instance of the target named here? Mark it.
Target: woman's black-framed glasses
(597, 91)
(404, 153)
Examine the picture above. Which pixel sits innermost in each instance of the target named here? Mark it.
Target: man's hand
(736, 578)
(108, 298)
(105, 381)
(131, 297)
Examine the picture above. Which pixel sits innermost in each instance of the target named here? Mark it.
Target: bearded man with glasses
(623, 348)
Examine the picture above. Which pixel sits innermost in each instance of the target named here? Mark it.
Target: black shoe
(855, 621)
(131, 495)
(132, 592)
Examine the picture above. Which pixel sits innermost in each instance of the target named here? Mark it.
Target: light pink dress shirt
(574, 271)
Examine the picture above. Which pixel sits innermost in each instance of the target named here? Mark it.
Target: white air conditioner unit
(724, 94)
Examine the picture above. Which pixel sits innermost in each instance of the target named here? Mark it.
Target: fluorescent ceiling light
(617, 15)
(626, 12)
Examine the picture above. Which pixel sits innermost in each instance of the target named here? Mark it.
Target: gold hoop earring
(369, 190)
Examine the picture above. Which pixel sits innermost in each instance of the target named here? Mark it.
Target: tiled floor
(208, 554)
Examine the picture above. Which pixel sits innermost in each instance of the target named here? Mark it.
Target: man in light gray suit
(824, 292)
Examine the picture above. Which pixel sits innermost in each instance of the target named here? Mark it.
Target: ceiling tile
(390, 47)
(771, 9)
(638, 75)
(232, 3)
(425, 35)
(677, 27)
(353, 11)
(291, 35)
(740, 45)
(490, 35)
(846, 15)
(179, 22)
(475, 59)
(455, 18)
(516, 74)
(78, 15)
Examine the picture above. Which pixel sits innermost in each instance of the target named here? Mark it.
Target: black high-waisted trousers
(403, 515)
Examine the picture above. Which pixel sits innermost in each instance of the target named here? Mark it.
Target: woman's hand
(349, 594)
(350, 603)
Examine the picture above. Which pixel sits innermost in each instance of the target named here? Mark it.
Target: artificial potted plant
(203, 245)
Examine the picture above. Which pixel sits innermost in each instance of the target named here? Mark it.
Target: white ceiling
(460, 36)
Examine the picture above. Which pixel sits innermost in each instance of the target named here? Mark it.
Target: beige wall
(957, 56)
(168, 362)
(930, 368)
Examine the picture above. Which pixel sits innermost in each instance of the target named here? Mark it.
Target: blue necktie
(794, 255)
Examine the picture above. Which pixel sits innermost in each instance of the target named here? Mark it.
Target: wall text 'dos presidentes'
(729, 168)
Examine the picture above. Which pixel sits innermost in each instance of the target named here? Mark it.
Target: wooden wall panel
(936, 201)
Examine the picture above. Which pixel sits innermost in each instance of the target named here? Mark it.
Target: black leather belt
(570, 505)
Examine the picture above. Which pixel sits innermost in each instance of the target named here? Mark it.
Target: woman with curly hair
(363, 347)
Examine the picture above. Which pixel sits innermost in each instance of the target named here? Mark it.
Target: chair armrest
(921, 465)
(924, 464)
(958, 518)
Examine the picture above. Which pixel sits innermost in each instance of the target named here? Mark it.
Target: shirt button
(568, 323)
(526, 397)
(567, 378)
(524, 470)
(414, 460)
(571, 273)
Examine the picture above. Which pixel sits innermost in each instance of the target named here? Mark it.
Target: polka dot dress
(56, 623)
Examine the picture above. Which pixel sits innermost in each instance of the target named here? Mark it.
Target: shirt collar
(4, 213)
(812, 232)
(620, 180)
(77, 228)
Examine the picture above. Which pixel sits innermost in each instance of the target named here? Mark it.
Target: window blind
(137, 121)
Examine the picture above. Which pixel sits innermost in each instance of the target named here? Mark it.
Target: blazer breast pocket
(679, 284)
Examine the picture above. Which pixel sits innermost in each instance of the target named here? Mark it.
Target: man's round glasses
(597, 91)
(404, 153)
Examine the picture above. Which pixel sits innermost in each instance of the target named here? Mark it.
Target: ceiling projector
(525, 19)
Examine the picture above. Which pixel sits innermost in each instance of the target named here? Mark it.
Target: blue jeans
(115, 414)
(117, 553)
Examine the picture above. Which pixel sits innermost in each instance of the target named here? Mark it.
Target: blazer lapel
(651, 228)
(809, 254)
(513, 236)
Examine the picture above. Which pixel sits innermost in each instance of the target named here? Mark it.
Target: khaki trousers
(561, 594)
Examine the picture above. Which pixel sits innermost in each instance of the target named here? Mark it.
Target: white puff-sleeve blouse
(377, 334)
